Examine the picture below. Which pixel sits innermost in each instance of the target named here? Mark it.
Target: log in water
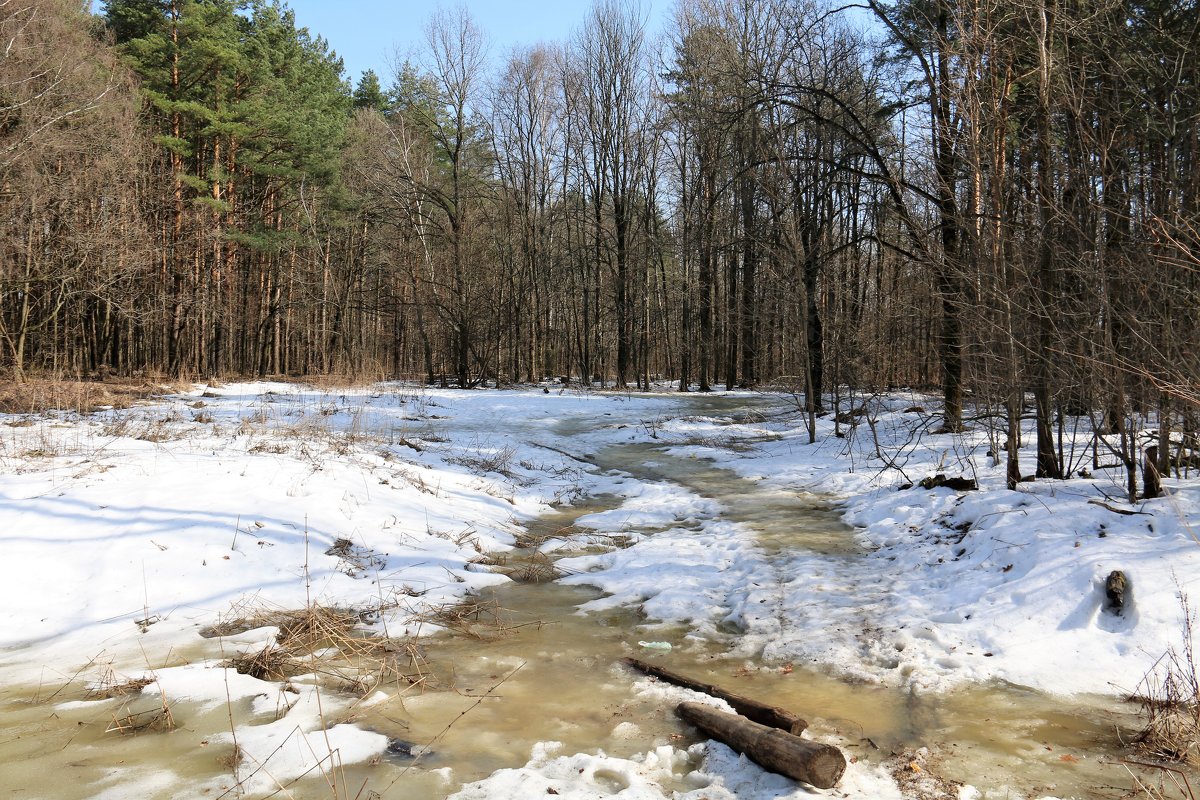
(819, 765)
(771, 716)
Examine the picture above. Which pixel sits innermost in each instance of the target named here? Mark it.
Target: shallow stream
(557, 676)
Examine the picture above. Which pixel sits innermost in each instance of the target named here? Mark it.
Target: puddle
(557, 676)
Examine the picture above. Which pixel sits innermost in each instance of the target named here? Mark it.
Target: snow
(127, 532)
(651, 505)
(705, 771)
(959, 588)
(299, 741)
(719, 562)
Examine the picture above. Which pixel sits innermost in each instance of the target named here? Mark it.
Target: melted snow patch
(651, 505)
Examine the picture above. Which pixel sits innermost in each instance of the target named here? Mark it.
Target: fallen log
(819, 765)
(771, 716)
(958, 484)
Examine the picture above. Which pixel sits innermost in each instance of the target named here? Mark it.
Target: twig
(1187, 786)
(262, 767)
(71, 680)
(425, 748)
(237, 750)
(1125, 512)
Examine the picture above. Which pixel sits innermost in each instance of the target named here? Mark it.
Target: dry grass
(474, 617)
(416, 479)
(110, 686)
(1157, 782)
(272, 663)
(317, 433)
(268, 447)
(154, 720)
(231, 759)
(533, 540)
(1169, 696)
(39, 395)
(591, 540)
(125, 720)
(611, 541)
(355, 560)
(317, 627)
(536, 568)
(367, 375)
(1170, 699)
(329, 642)
(725, 442)
(484, 460)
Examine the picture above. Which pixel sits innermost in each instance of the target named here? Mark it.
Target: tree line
(1001, 200)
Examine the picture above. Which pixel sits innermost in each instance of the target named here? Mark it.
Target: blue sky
(367, 33)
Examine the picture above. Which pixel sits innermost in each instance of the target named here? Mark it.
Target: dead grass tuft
(536, 568)
(110, 686)
(271, 663)
(532, 540)
(269, 447)
(473, 617)
(230, 760)
(317, 626)
(154, 720)
(484, 461)
(611, 541)
(355, 560)
(1170, 699)
(327, 642)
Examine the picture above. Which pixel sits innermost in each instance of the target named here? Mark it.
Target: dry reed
(1169, 695)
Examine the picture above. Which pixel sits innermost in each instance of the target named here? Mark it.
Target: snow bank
(705, 771)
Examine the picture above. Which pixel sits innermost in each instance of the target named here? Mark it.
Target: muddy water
(556, 676)
(62, 749)
(562, 680)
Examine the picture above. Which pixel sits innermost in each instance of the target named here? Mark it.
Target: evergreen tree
(250, 112)
(369, 92)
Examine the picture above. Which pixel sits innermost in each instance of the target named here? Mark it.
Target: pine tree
(369, 92)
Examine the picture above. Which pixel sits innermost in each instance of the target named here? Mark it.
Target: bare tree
(70, 234)
(612, 62)
(528, 136)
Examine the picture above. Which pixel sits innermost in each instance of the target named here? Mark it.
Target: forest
(996, 201)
